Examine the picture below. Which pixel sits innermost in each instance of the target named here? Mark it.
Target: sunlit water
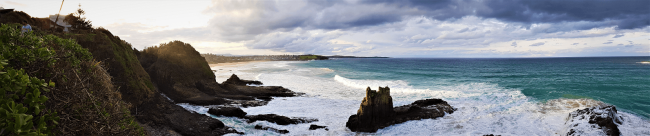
(531, 96)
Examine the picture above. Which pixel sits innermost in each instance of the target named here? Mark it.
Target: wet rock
(314, 127)
(280, 120)
(597, 120)
(260, 127)
(376, 111)
(236, 81)
(422, 109)
(228, 112)
(266, 98)
(160, 114)
(248, 103)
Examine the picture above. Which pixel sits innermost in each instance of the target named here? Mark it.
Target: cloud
(629, 45)
(16, 3)
(538, 44)
(241, 20)
(618, 35)
(408, 27)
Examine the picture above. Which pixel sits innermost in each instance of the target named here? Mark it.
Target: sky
(393, 28)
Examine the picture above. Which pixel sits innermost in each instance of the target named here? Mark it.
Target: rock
(236, 81)
(314, 127)
(260, 127)
(491, 135)
(376, 111)
(249, 103)
(422, 109)
(258, 91)
(266, 98)
(228, 112)
(597, 120)
(161, 114)
(280, 120)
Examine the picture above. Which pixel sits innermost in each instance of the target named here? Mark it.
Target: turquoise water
(621, 81)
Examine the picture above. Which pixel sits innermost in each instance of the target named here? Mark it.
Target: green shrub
(24, 58)
(21, 112)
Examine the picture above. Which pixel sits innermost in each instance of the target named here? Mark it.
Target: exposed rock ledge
(237, 112)
(597, 120)
(376, 111)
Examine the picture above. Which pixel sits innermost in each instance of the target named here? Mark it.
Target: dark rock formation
(236, 81)
(260, 127)
(422, 109)
(165, 116)
(228, 112)
(314, 127)
(257, 91)
(376, 111)
(280, 120)
(597, 120)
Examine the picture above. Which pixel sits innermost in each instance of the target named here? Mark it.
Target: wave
(483, 108)
(363, 84)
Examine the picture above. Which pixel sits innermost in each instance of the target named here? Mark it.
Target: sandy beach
(232, 63)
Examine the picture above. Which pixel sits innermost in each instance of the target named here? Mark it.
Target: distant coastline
(338, 56)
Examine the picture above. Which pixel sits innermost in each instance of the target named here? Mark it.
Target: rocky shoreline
(192, 82)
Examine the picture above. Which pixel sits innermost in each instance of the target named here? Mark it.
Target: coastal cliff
(101, 87)
(376, 111)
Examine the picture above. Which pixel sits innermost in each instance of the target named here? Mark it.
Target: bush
(30, 66)
(23, 109)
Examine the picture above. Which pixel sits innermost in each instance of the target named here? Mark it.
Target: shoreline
(233, 63)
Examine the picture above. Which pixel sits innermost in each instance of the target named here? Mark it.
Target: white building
(60, 22)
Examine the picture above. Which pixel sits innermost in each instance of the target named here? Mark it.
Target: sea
(500, 96)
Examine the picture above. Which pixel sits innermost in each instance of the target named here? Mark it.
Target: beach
(232, 64)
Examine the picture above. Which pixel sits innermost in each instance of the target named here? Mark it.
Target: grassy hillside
(52, 85)
(122, 62)
(182, 58)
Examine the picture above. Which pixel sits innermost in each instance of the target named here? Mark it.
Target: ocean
(501, 96)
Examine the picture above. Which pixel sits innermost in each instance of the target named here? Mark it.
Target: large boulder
(376, 111)
(280, 120)
(597, 120)
(228, 112)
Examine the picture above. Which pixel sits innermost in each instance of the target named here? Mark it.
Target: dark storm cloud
(266, 16)
(626, 14)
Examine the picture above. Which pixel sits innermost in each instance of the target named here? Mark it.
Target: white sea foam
(362, 84)
(483, 108)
